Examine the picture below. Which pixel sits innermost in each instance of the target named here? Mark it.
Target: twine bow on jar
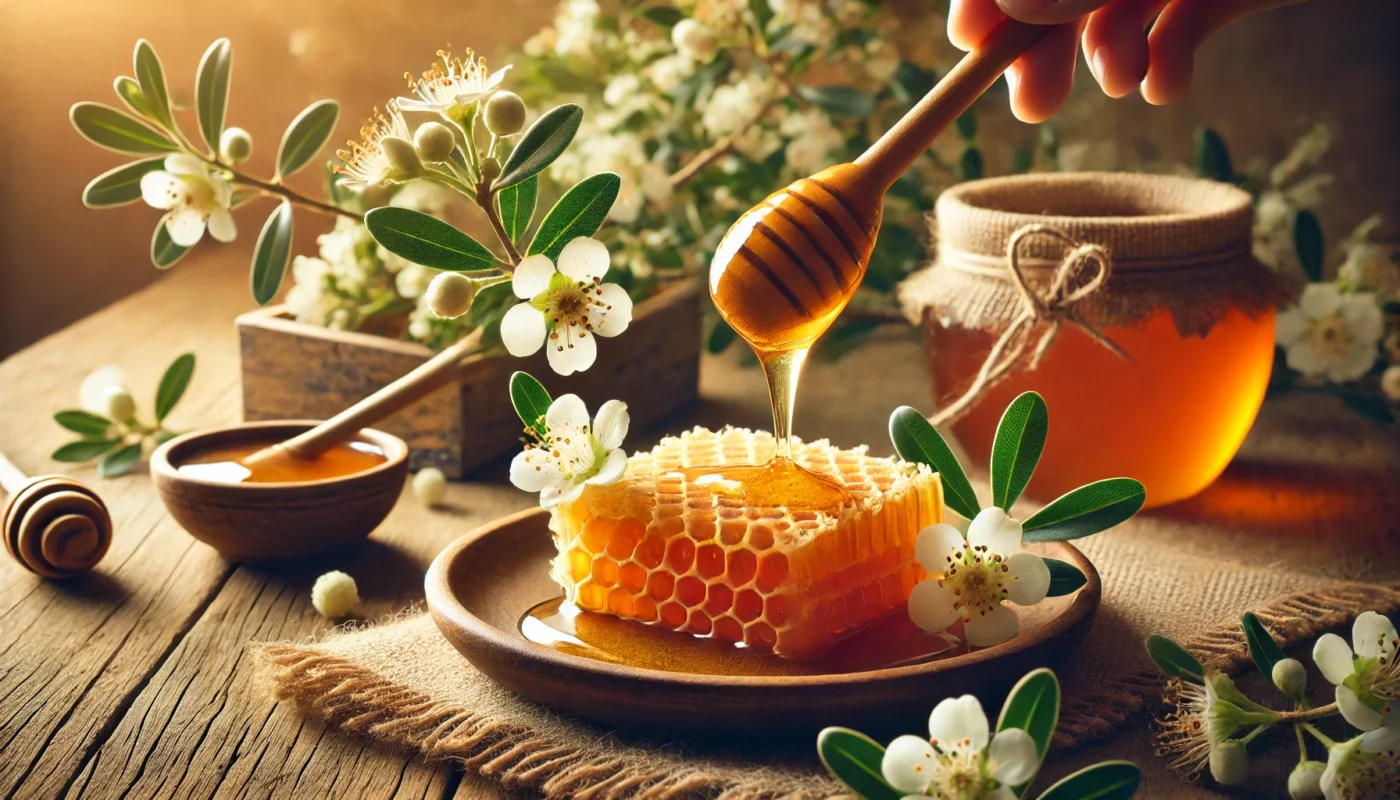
(1081, 272)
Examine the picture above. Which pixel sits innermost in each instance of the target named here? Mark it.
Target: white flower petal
(617, 312)
(522, 330)
(467, 98)
(161, 189)
(567, 412)
(1027, 579)
(532, 276)
(931, 606)
(1363, 317)
(1302, 357)
(1333, 658)
(1337, 757)
(494, 79)
(566, 492)
(1356, 712)
(533, 470)
(1385, 739)
(1002, 793)
(584, 259)
(1289, 326)
(996, 531)
(185, 226)
(1355, 362)
(414, 104)
(221, 226)
(1319, 299)
(992, 628)
(909, 764)
(186, 164)
(92, 394)
(610, 426)
(935, 544)
(958, 723)
(612, 470)
(574, 350)
(1011, 757)
(1373, 635)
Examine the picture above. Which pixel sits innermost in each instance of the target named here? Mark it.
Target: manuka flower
(455, 82)
(375, 158)
(195, 197)
(1367, 677)
(572, 453)
(961, 759)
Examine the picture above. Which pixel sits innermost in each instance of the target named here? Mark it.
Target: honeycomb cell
(760, 636)
(699, 624)
(632, 577)
(650, 552)
(719, 599)
(596, 533)
(580, 564)
(605, 572)
(644, 608)
(709, 561)
(672, 615)
(660, 585)
(625, 538)
(748, 605)
(690, 590)
(680, 555)
(772, 571)
(729, 629)
(760, 536)
(743, 565)
(732, 531)
(620, 602)
(777, 610)
(591, 596)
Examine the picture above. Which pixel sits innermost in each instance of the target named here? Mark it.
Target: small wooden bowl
(267, 522)
(480, 586)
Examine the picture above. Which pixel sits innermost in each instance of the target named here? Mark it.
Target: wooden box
(297, 371)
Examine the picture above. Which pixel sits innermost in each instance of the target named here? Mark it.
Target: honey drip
(891, 641)
(227, 464)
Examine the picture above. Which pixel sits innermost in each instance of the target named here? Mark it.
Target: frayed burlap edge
(1089, 715)
(356, 700)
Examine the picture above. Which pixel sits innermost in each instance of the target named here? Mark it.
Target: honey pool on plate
(228, 464)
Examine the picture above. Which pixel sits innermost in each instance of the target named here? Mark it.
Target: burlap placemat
(402, 683)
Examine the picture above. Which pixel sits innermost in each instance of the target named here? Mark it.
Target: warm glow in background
(1261, 84)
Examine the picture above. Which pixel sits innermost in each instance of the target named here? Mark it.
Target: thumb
(1048, 12)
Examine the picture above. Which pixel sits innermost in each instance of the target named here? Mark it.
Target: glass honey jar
(1155, 373)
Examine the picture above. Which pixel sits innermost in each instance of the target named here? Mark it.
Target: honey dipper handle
(430, 376)
(12, 479)
(902, 144)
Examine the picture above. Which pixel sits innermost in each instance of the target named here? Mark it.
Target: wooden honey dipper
(53, 526)
(787, 268)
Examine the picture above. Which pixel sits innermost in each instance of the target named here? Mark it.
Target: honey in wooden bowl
(230, 463)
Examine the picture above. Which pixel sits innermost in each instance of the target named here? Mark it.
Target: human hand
(1120, 52)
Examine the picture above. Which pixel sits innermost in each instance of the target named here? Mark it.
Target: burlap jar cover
(1022, 256)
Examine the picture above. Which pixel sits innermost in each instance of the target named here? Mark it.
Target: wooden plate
(481, 585)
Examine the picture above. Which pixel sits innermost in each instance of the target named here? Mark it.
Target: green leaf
(531, 400)
(1307, 242)
(912, 82)
(427, 240)
(305, 137)
(971, 164)
(116, 130)
(1065, 578)
(839, 101)
(161, 437)
(516, 205)
(130, 93)
(762, 15)
(1033, 705)
(1173, 659)
(1262, 647)
(966, 123)
(721, 336)
(854, 759)
(916, 440)
(164, 251)
(86, 450)
(541, 144)
(1366, 404)
(1016, 450)
(151, 77)
(665, 16)
(83, 422)
(1089, 509)
(173, 384)
(1213, 157)
(1108, 780)
(580, 212)
(122, 461)
(117, 187)
(211, 91)
(271, 254)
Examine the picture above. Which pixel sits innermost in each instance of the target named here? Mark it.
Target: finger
(969, 21)
(1115, 44)
(1048, 12)
(1181, 29)
(1040, 80)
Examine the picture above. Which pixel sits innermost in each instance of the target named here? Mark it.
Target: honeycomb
(660, 546)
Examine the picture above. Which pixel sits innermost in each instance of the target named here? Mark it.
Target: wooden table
(135, 680)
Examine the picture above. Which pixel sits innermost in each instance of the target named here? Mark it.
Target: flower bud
(1229, 763)
(694, 39)
(1290, 677)
(335, 594)
(235, 145)
(402, 157)
(120, 405)
(505, 113)
(490, 170)
(1305, 782)
(430, 486)
(450, 295)
(434, 142)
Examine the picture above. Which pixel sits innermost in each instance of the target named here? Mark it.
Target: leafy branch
(119, 436)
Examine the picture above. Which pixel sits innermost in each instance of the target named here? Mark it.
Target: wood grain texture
(653, 367)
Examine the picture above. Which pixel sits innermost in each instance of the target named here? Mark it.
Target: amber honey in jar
(1185, 301)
